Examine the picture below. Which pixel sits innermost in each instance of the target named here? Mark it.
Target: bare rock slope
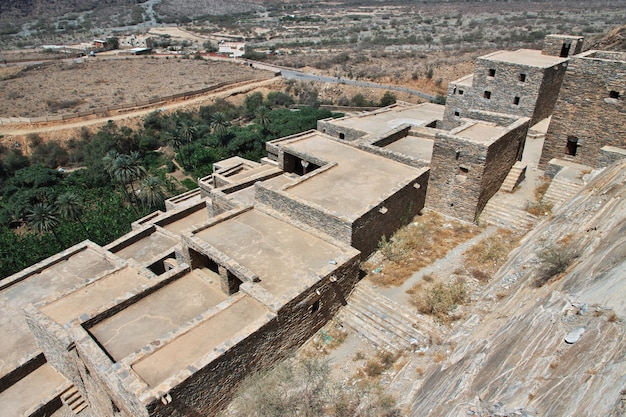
(557, 349)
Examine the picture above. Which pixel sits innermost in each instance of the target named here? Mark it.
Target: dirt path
(9, 131)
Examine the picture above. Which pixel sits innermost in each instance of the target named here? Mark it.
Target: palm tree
(126, 170)
(42, 218)
(152, 193)
(220, 124)
(70, 208)
(262, 117)
(189, 132)
(108, 161)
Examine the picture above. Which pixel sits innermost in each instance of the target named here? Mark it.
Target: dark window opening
(458, 154)
(233, 283)
(522, 78)
(461, 92)
(454, 91)
(572, 145)
(463, 170)
(614, 94)
(565, 50)
(516, 101)
(457, 113)
(315, 307)
(342, 136)
(451, 204)
(487, 95)
(298, 166)
(492, 72)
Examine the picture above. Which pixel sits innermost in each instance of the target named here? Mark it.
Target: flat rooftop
(158, 313)
(415, 147)
(528, 57)
(38, 387)
(91, 298)
(359, 180)
(280, 254)
(379, 122)
(50, 281)
(481, 132)
(146, 248)
(198, 216)
(201, 340)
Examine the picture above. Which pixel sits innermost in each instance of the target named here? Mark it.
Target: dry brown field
(72, 87)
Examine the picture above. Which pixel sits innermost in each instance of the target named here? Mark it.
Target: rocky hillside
(614, 40)
(546, 342)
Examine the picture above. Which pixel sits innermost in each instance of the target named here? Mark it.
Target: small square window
(461, 92)
(522, 78)
(614, 94)
(516, 100)
(492, 72)
(487, 95)
(457, 113)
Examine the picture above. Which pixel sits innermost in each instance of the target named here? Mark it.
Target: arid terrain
(71, 87)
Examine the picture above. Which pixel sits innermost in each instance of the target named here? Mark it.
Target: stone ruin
(168, 319)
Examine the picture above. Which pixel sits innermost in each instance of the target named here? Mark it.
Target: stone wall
(385, 218)
(501, 156)
(589, 113)
(557, 45)
(330, 127)
(211, 388)
(456, 173)
(327, 222)
(465, 174)
(533, 97)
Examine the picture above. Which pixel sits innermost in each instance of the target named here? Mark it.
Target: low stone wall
(105, 111)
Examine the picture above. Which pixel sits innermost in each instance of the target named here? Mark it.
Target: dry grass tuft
(439, 299)
(428, 238)
(539, 207)
(488, 255)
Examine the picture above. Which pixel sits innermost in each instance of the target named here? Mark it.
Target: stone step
(560, 191)
(502, 215)
(514, 177)
(385, 323)
(405, 320)
(72, 398)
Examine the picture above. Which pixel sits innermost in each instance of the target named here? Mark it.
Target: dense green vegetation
(119, 175)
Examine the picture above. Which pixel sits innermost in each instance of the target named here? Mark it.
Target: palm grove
(118, 174)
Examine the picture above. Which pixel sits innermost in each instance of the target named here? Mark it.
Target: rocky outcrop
(556, 349)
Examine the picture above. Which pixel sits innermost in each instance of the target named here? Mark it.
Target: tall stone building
(524, 83)
(589, 122)
(562, 45)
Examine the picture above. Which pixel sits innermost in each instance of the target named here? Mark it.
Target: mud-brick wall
(399, 209)
(211, 388)
(329, 127)
(586, 111)
(501, 156)
(456, 176)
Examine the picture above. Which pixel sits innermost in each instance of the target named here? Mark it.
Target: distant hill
(35, 9)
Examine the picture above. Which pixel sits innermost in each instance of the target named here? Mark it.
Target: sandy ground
(80, 85)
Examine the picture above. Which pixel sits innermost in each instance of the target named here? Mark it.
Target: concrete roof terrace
(480, 132)
(45, 280)
(358, 179)
(527, 57)
(379, 122)
(158, 313)
(283, 256)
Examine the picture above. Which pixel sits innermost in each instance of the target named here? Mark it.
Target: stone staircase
(385, 323)
(514, 177)
(503, 215)
(71, 397)
(560, 191)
